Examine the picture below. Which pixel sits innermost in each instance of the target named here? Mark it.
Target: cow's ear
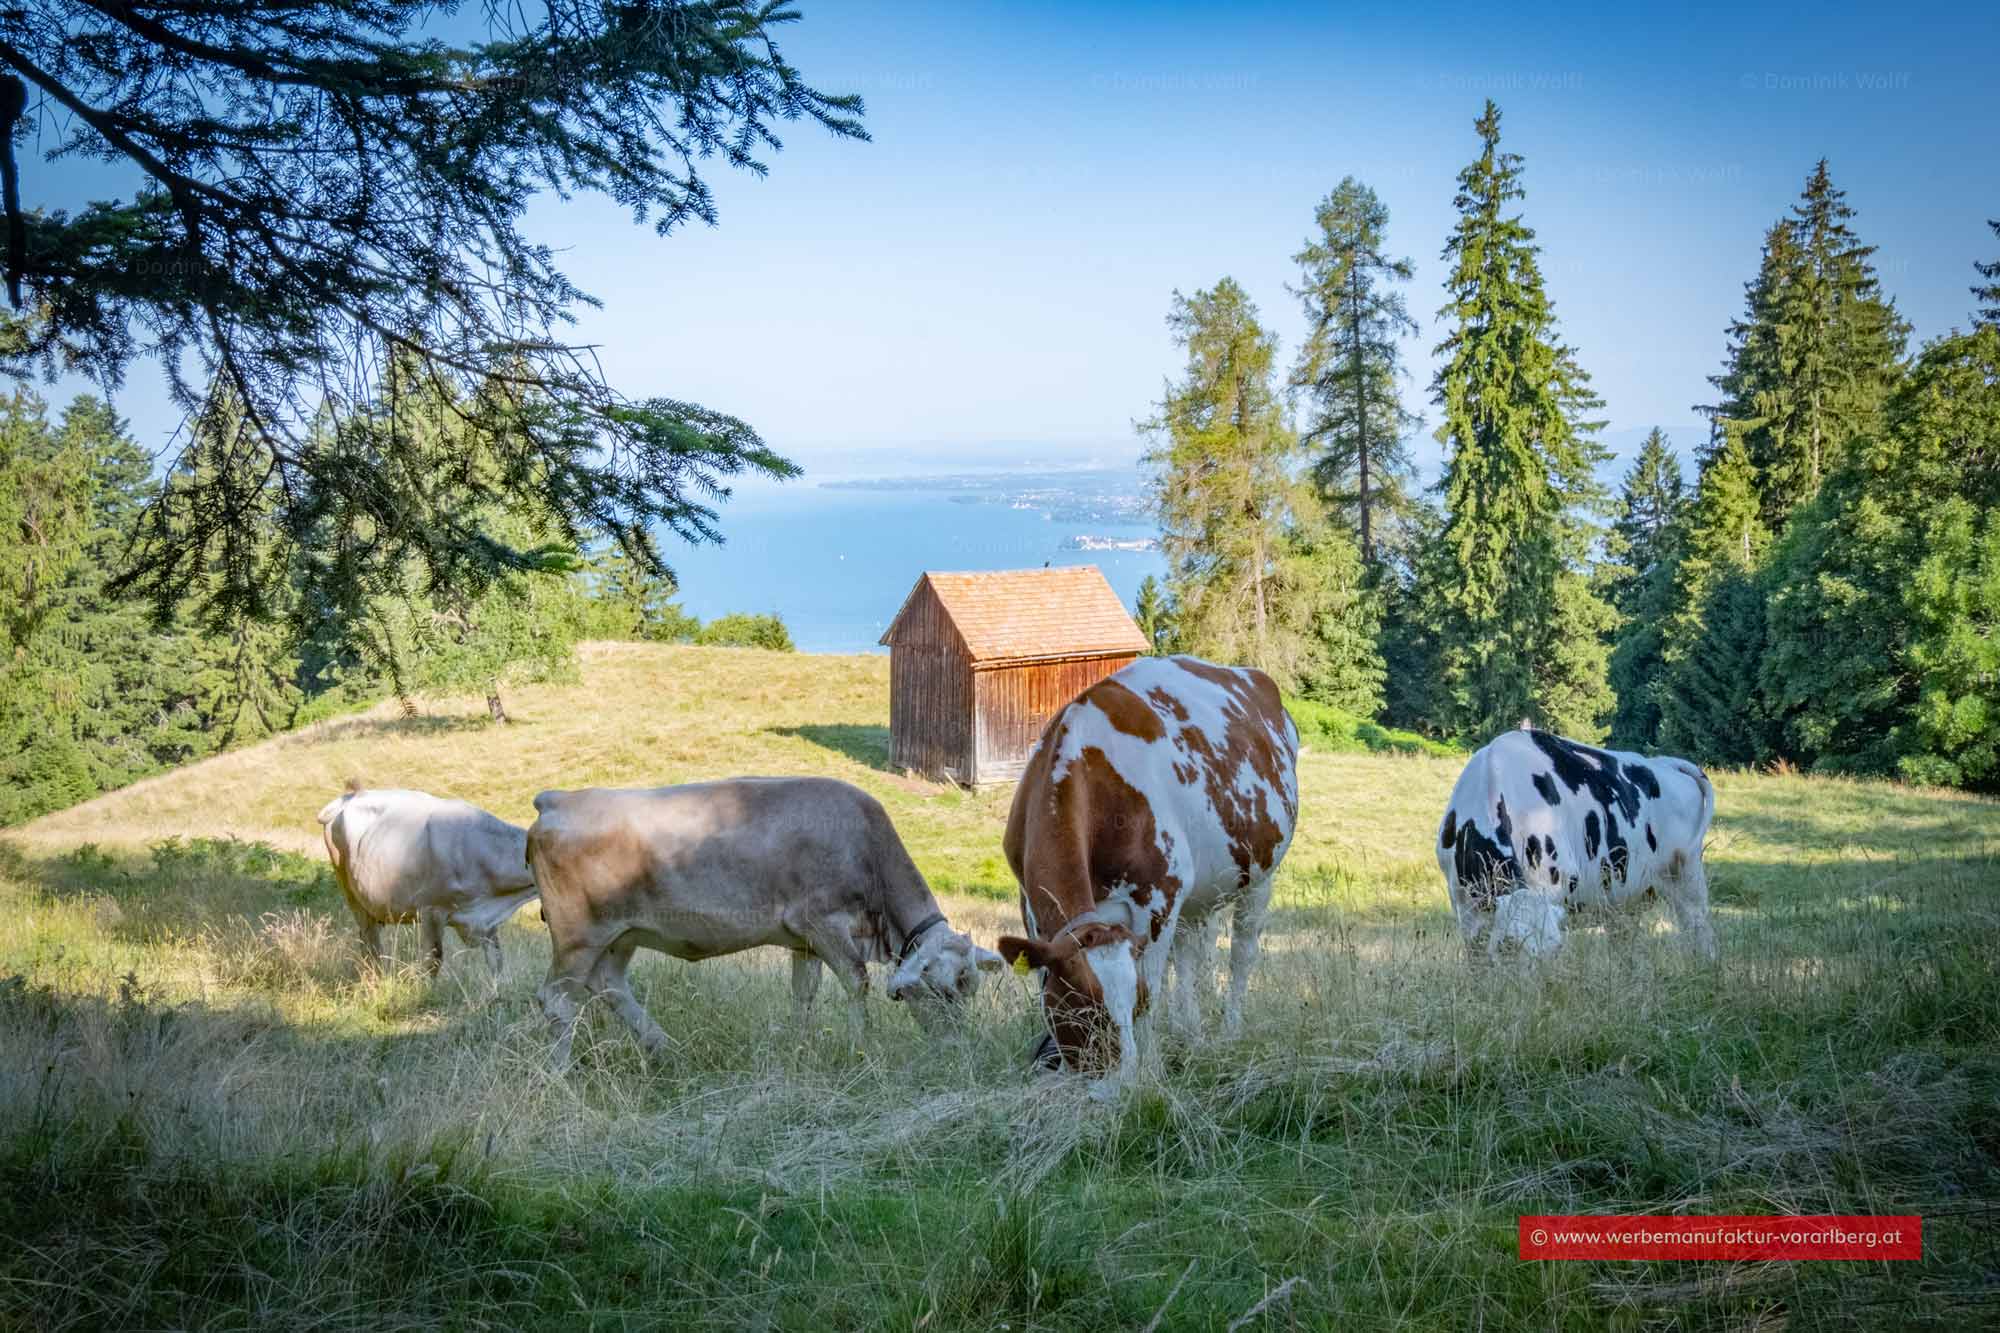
(1039, 953)
(1098, 934)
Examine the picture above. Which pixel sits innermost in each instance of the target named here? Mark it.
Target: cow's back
(760, 846)
(383, 839)
(1574, 821)
(400, 849)
(1170, 774)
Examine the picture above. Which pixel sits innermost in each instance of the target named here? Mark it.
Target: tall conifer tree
(1987, 293)
(1349, 367)
(1707, 688)
(1646, 541)
(1520, 627)
(1818, 349)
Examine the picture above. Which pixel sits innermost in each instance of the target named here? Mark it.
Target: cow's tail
(536, 855)
(331, 809)
(1707, 804)
(545, 801)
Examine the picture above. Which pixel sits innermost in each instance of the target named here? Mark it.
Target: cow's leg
(836, 950)
(489, 947)
(1687, 899)
(430, 927)
(805, 985)
(371, 938)
(609, 980)
(562, 996)
(1245, 933)
(1193, 955)
(488, 943)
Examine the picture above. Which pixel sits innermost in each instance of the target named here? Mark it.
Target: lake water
(836, 564)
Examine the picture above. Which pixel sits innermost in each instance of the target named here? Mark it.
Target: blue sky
(989, 277)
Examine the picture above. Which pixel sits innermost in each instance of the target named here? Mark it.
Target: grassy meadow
(211, 1117)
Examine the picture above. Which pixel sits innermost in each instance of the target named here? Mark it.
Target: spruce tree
(1752, 385)
(1646, 539)
(1987, 293)
(1154, 614)
(1650, 501)
(1349, 367)
(1519, 625)
(1329, 609)
(1710, 709)
(1880, 617)
(1954, 603)
(1723, 541)
(631, 601)
(1817, 351)
(1411, 649)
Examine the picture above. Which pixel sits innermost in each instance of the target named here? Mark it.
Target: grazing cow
(713, 868)
(1539, 826)
(1160, 795)
(409, 856)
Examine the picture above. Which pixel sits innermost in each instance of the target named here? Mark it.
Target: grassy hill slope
(208, 1114)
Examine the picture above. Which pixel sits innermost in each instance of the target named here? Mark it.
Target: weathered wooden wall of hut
(930, 694)
(1013, 703)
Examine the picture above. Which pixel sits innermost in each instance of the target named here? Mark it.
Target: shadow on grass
(371, 728)
(1970, 828)
(863, 743)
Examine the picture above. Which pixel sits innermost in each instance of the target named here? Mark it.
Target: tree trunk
(1360, 409)
(494, 708)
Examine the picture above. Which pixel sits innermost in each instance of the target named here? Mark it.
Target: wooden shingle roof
(1017, 615)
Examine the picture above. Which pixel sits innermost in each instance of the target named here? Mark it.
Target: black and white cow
(1539, 826)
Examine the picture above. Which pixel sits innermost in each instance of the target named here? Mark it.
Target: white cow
(1539, 826)
(404, 856)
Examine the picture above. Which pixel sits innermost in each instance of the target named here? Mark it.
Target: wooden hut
(978, 663)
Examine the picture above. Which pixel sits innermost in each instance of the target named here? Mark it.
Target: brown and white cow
(711, 868)
(1162, 794)
(1540, 826)
(404, 856)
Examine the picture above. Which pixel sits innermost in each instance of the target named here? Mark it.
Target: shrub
(1324, 727)
(741, 630)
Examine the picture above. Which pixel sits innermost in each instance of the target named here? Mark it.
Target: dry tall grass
(209, 1115)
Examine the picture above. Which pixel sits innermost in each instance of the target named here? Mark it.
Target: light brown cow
(711, 868)
(402, 856)
(1156, 798)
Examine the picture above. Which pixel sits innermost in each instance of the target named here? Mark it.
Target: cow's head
(1529, 918)
(940, 966)
(1078, 966)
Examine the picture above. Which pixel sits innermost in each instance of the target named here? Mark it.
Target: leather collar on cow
(911, 936)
